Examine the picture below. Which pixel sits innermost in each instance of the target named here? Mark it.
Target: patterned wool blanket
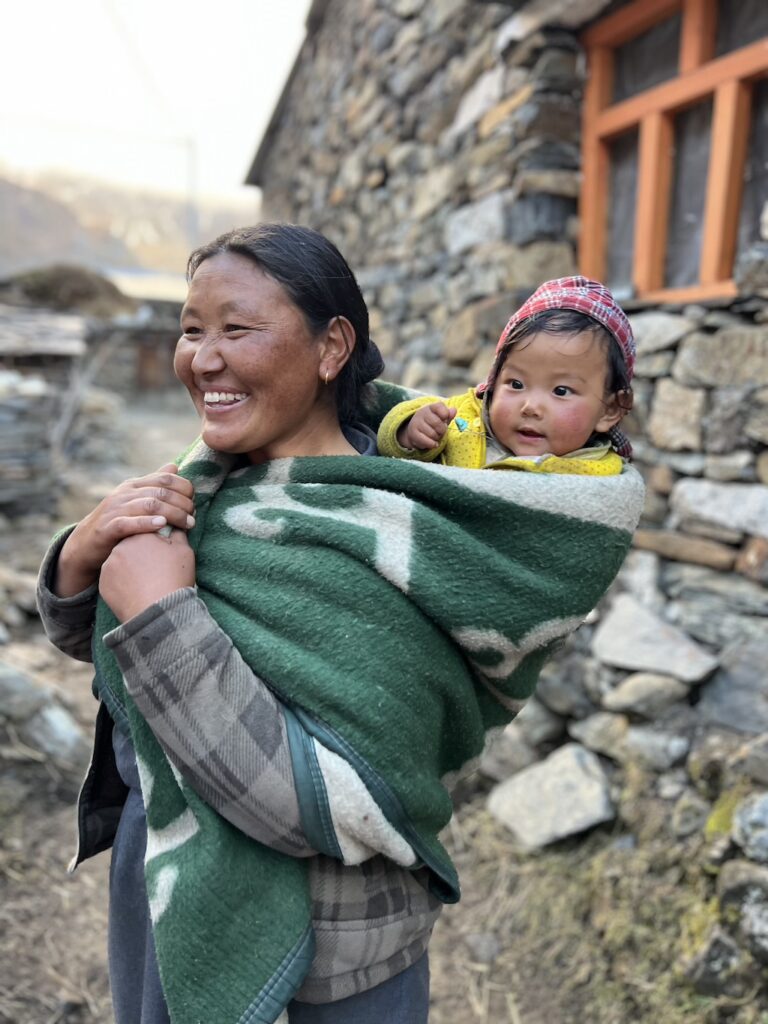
(399, 609)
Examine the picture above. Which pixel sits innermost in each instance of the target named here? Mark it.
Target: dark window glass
(647, 60)
(739, 24)
(753, 222)
(692, 133)
(621, 212)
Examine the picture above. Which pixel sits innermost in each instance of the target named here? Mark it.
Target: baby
(553, 400)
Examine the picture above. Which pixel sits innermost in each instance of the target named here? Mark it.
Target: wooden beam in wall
(697, 38)
(749, 62)
(654, 185)
(728, 153)
(693, 293)
(595, 165)
(630, 21)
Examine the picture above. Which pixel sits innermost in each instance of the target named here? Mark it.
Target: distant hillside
(54, 218)
(36, 229)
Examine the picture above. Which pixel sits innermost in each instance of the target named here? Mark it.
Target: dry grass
(588, 931)
(52, 926)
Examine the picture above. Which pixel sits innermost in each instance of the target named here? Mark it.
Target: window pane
(621, 213)
(691, 159)
(647, 60)
(739, 24)
(755, 197)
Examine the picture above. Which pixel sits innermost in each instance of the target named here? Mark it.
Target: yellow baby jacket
(464, 443)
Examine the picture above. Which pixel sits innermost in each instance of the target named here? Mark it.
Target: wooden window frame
(728, 80)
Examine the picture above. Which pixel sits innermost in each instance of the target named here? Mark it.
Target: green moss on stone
(720, 820)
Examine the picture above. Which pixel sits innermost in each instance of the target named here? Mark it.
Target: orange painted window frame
(728, 80)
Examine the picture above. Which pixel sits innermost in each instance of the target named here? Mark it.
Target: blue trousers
(403, 999)
(137, 995)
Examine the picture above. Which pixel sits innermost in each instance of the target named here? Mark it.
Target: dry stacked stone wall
(442, 155)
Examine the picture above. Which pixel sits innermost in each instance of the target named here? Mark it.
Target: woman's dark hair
(571, 321)
(319, 282)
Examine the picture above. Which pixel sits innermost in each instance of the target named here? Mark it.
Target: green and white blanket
(399, 609)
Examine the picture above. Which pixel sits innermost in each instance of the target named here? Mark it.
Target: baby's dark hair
(571, 321)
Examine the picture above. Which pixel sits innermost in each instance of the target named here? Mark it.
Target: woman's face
(254, 370)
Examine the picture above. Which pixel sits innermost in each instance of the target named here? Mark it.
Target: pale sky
(167, 94)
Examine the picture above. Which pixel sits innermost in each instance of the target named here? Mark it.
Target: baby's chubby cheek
(573, 427)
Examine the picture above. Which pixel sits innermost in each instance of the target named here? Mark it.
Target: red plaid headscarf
(584, 296)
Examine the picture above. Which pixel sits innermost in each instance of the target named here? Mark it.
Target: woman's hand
(139, 506)
(142, 569)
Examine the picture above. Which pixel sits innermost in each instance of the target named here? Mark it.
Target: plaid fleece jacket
(226, 732)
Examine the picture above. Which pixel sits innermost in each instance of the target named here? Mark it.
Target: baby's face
(550, 394)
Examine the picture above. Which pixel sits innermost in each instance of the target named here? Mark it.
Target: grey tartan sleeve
(67, 621)
(217, 721)
(238, 746)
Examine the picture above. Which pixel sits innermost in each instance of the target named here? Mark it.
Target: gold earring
(326, 378)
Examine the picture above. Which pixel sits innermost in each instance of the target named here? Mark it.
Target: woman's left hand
(144, 568)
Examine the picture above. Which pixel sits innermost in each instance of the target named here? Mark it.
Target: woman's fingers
(110, 523)
(161, 493)
(165, 479)
(129, 526)
(172, 509)
(157, 501)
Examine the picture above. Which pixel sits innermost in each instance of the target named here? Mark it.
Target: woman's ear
(615, 408)
(336, 348)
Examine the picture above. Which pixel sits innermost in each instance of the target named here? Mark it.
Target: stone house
(460, 152)
(41, 353)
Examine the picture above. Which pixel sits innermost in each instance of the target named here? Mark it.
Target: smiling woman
(241, 333)
(286, 679)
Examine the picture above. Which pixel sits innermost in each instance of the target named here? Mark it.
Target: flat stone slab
(731, 357)
(470, 225)
(612, 735)
(20, 696)
(655, 331)
(737, 696)
(561, 796)
(55, 733)
(750, 827)
(632, 637)
(736, 506)
(752, 759)
(646, 694)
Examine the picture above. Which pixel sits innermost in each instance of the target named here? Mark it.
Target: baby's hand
(427, 427)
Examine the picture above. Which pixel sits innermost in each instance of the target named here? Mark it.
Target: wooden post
(654, 182)
(595, 167)
(697, 37)
(727, 157)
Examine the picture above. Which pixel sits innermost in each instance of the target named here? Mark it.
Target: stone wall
(438, 144)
